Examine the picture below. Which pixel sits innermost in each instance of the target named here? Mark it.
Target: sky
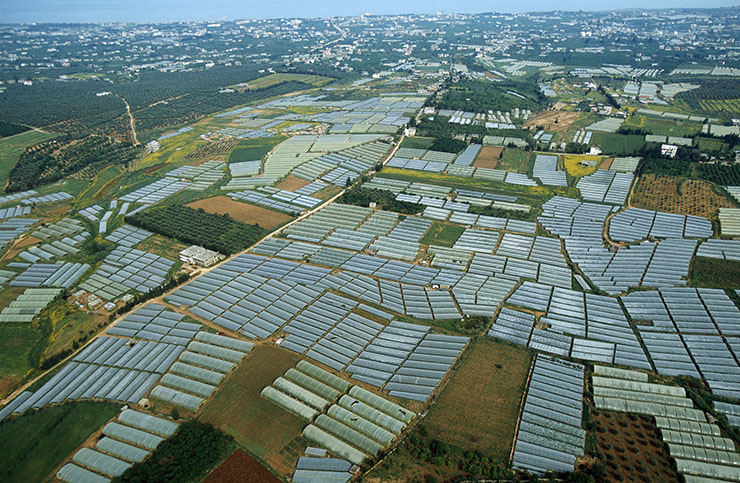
(73, 11)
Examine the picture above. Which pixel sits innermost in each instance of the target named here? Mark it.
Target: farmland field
(714, 273)
(280, 78)
(198, 227)
(531, 195)
(630, 447)
(12, 147)
(663, 127)
(255, 423)
(442, 234)
(16, 343)
(36, 443)
(239, 466)
(253, 149)
(417, 142)
(617, 144)
(678, 195)
(725, 106)
(514, 160)
(243, 212)
(488, 157)
(574, 167)
(482, 399)
(291, 183)
(553, 120)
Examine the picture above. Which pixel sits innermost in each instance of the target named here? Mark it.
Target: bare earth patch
(244, 212)
(488, 157)
(241, 467)
(291, 183)
(553, 120)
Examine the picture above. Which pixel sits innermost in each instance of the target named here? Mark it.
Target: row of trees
(220, 233)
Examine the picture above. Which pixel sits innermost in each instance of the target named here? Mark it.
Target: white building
(670, 150)
(197, 255)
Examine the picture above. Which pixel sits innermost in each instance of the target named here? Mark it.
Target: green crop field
(618, 144)
(514, 160)
(715, 273)
(253, 149)
(663, 127)
(12, 147)
(417, 142)
(16, 343)
(442, 234)
(36, 443)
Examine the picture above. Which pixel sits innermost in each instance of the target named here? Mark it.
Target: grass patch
(281, 78)
(259, 426)
(417, 142)
(482, 399)
(16, 344)
(442, 234)
(514, 160)
(104, 182)
(618, 144)
(39, 441)
(574, 167)
(714, 273)
(12, 147)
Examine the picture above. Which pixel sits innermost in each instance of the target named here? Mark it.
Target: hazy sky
(17, 11)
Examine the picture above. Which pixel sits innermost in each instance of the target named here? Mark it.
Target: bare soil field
(240, 467)
(553, 120)
(482, 399)
(256, 424)
(244, 212)
(291, 183)
(631, 449)
(488, 157)
(678, 195)
(606, 164)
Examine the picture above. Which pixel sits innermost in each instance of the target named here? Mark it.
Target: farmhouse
(197, 255)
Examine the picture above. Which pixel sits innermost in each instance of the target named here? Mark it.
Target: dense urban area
(414, 248)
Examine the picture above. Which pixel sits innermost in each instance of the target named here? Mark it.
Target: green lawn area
(514, 160)
(253, 149)
(12, 147)
(442, 234)
(417, 142)
(714, 273)
(39, 441)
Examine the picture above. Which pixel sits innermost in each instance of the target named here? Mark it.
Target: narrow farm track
(131, 121)
(202, 272)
